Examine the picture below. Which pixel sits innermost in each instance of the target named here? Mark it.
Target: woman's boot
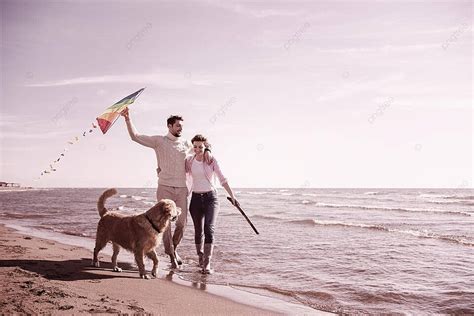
(206, 269)
(200, 253)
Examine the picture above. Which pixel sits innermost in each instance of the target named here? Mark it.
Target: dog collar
(153, 225)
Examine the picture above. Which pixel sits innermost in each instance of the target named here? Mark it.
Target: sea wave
(72, 233)
(447, 196)
(320, 300)
(375, 193)
(460, 239)
(124, 209)
(279, 193)
(383, 208)
(452, 202)
(461, 197)
(267, 217)
(23, 216)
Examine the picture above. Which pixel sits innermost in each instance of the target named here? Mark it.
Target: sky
(311, 94)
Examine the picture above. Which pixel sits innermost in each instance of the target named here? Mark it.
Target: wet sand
(47, 277)
(44, 276)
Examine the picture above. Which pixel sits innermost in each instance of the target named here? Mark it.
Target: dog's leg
(100, 243)
(141, 265)
(152, 255)
(114, 257)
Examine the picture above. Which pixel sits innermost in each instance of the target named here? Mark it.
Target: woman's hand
(234, 201)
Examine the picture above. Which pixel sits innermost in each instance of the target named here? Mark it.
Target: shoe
(208, 249)
(200, 254)
(174, 263)
(178, 258)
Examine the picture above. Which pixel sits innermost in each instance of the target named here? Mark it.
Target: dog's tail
(100, 203)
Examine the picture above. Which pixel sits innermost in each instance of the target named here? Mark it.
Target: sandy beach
(43, 276)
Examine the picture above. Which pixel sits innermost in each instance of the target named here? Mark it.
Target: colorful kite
(105, 120)
(112, 113)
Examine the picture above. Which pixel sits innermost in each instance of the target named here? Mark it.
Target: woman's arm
(231, 194)
(223, 181)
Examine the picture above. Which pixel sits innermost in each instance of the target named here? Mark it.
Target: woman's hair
(201, 138)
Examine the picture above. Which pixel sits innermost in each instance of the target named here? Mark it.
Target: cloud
(21, 127)
(171, 80)
(255, 12)
(385, 48)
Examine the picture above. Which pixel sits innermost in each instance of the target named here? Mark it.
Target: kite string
(53, 164)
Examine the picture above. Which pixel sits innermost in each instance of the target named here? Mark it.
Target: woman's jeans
(204, 208)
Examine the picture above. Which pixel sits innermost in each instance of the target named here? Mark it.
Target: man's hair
(172, 119)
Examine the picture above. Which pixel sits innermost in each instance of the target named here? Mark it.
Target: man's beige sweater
(170, 152)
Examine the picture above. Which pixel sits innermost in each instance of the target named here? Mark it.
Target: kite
(112, 113)
(105, 120)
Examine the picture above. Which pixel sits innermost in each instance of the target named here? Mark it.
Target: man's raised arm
(149, 141)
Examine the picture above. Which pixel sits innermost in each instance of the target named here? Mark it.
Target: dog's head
(168, 208)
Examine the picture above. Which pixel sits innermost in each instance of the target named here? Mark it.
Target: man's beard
(176, 134)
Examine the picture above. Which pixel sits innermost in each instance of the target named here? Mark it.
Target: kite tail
(100, 203)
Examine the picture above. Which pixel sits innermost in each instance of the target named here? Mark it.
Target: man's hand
(125, 114)
(208, 157)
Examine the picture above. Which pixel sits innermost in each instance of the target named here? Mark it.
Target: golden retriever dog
(140, 234)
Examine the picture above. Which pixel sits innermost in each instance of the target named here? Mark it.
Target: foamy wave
(452, 202)
(23, 216)
(443, 199)
(71, 233)
(301, 296)
(149, 203)
(134, 197)
(266, 217)
(395, 209)
(461, 197)
(444, 196)
(123, 208)
(138, 197)
(258, 192)
(464, 240)
(433, 195)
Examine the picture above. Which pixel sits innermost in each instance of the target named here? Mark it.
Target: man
(171, 152)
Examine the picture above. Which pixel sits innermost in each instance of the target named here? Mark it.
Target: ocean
(348, 251)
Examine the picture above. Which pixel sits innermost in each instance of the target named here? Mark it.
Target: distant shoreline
(8, 189)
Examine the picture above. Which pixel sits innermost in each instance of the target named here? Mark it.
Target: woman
(204, 204)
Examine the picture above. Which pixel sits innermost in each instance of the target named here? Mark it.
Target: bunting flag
(112, 113)
(105, 121)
